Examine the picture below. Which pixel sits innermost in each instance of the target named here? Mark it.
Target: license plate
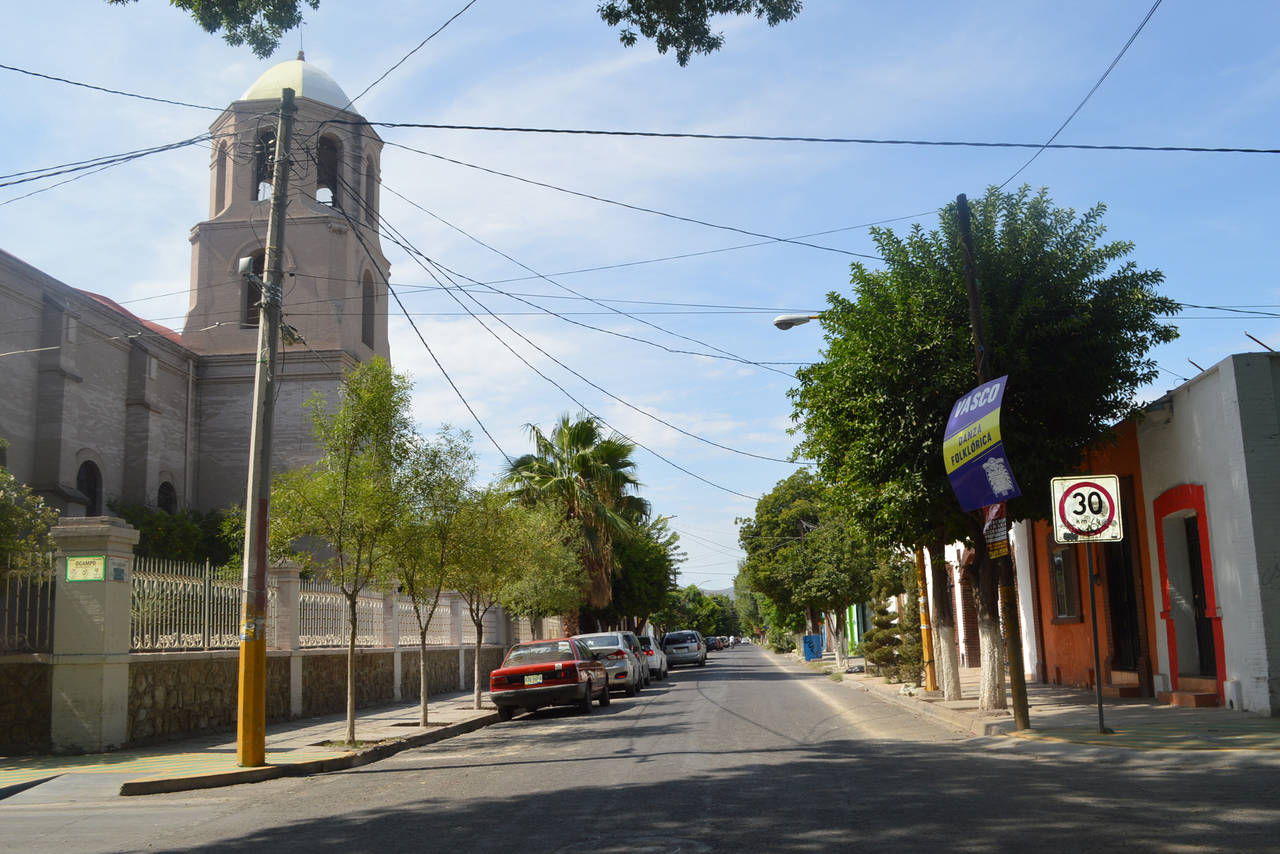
(533, 679)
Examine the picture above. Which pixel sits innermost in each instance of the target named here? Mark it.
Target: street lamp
(786, 321)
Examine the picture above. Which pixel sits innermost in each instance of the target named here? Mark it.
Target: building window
(153, 367)
(370, 192)
(264, 155)
(368, 305)
(167, 498)
(89, 484)
(1066, 585)
(251, 291)
(73, 330)
(220, 180)
(328, 159)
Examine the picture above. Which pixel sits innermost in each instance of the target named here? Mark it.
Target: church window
(89, 484)
(167, 498)
(368, 305)
(251, 293)
(264, 155)
(73, 330)
(370, 192)
(220, 180)
(328, 162)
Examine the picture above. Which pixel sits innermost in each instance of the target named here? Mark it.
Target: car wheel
(632, 688)
(506, 712)
(584, 705)
(703, 662)
(604, 695)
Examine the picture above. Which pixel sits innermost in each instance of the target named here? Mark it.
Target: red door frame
(1188, 496)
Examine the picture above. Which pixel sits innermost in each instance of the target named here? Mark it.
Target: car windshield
(646, 642)
(602, 641)
(680, 637)
(540, 653)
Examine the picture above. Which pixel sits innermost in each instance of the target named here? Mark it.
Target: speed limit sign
(1087, 507)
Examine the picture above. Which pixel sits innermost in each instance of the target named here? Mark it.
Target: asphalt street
(749, 753)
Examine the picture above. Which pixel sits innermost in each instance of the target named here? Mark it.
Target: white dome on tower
(305, 79)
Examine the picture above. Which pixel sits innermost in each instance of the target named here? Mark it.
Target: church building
(97, 404)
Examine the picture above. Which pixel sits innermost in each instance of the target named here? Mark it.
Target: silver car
(656, 657)
(684, 647)
(622, 657)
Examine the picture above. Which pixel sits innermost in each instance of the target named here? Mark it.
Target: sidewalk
(1070, 715)
(293, 748)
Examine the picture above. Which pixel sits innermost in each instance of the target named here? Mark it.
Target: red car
(556, 672)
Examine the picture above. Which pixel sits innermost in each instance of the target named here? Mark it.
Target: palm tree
(592, 477)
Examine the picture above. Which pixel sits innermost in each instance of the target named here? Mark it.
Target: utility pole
(251, 729)
(1003, 564)
(926, 629)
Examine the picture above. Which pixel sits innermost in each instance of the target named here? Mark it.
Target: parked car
(684, 647)
(623, 658)
(557, 672)
(657, 658)
(713, 643)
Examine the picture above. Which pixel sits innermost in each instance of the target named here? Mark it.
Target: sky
(1197, 75)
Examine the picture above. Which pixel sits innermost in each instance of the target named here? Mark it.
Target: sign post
(1087, 510)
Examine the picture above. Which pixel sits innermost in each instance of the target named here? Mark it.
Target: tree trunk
(943, 612)
(424, 688)
(991, 694)
(842, 644)
(475, 665)
(571, 624)
(351, 670)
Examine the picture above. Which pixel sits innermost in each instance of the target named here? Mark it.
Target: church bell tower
(334, 291)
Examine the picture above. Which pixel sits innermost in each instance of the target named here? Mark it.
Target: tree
(803, 550)
(507, 552)
(592, 478)
(189, 535)
(342, 512)
(687, 608)
(648, 561)
(1067, 317)
(438, 476)
(25, 522)
(685, 26)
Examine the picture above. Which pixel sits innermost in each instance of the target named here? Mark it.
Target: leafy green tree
(726, 617)
(25, 522)
(685, 26)
(513, 554)
(437, 478)
(687, 608)
(648, 560)
(803, 551)
(188, 535)
(748, 604)
(257, 23)
(592, 478)
(1068, 317)
(343, 511)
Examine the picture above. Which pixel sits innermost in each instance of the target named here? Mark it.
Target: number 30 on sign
(1087, 508)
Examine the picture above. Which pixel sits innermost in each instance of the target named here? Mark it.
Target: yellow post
(926, 632)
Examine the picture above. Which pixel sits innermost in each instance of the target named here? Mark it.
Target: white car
(656, 657)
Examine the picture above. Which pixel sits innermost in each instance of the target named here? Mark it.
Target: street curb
(951, 718)
(354, 759)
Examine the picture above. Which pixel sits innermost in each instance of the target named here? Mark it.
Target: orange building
(1060, 590)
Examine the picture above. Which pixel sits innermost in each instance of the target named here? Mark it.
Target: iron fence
(176, 605)
(26, 610)
(323, 614)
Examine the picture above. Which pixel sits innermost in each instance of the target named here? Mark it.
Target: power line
(403, 59)
(769, 237)
(938, 143)
(723, 353)
(1086, 98)
(419, 257)
(109, 91)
